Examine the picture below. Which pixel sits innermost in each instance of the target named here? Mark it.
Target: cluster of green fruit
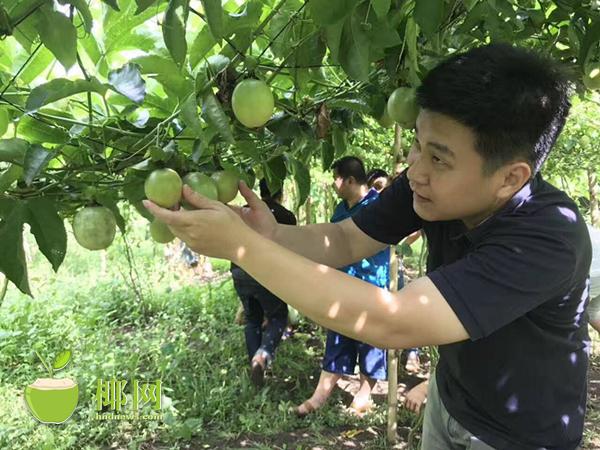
(95, 227)
(401, 108)
(163, 187)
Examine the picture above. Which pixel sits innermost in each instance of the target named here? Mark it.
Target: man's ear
(513, 178)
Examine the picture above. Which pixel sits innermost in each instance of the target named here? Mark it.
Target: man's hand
(416, 397)
(257, 214)
(213, 229)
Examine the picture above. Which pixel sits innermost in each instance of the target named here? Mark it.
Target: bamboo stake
(392, 424)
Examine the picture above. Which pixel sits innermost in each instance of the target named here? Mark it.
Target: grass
(182, 332)
(169, 326)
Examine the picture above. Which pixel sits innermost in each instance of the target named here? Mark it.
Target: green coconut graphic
(53, 400)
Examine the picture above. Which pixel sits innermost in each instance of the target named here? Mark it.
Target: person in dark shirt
(260, 304)
(507, 282)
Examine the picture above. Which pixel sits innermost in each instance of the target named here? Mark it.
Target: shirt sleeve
(391, 216)
(506, 277)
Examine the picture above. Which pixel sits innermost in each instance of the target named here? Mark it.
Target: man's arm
(333, 244)
(415, 316)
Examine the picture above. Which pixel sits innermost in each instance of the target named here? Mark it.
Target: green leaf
(40, 62)
(36, 160)
(27, 33)
(60, 88)
(13, 150)
(275, 172)
(9, 176)
(113, 4)
(429, 14)
(58, 35)
(48, 229)
(166, 73)
(333, 37)
(13, 263)
(329, 12)
(61, 360)
(249, 18)
(216, 117)
(84, 10)
(327, 154)
(128, 81)
(591, 38)
(37, 131)
(108, 199)
(302, 178)
(381, 7)
(214, 16)
(203, 43)
(339, 141)
(143, 5)
(173, 29)
(189, 114)
(354, 49)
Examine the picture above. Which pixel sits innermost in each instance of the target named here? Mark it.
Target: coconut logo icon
(53, 400)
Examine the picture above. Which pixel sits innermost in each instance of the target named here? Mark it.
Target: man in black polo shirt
(509, 255)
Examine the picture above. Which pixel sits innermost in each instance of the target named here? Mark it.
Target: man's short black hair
(350, 166)
(374, 174)
(265, 193)
(514, 100)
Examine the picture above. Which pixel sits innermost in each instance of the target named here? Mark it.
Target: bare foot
(361, 408)
(412, 362)
(309, 406)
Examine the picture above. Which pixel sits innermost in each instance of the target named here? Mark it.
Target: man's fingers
(251, 198)
(197, 200)
(164, 215)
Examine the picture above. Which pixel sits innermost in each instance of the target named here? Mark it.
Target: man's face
(340, 185)
(446, 172)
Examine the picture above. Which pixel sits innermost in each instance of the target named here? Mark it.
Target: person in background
(378, 179)
(265, 315)
(341, 352)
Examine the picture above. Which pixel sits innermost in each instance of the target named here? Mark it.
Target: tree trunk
(308, 211)
(594, 191)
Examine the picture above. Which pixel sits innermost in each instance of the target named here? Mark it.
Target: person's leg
(339, 359)
(276, 313)
(442, 431)
(253, 314)
(435, 433)
(372, 362)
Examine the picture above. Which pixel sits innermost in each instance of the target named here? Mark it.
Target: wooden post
(392, 424)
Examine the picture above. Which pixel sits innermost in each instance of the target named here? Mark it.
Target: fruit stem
(46, 366)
